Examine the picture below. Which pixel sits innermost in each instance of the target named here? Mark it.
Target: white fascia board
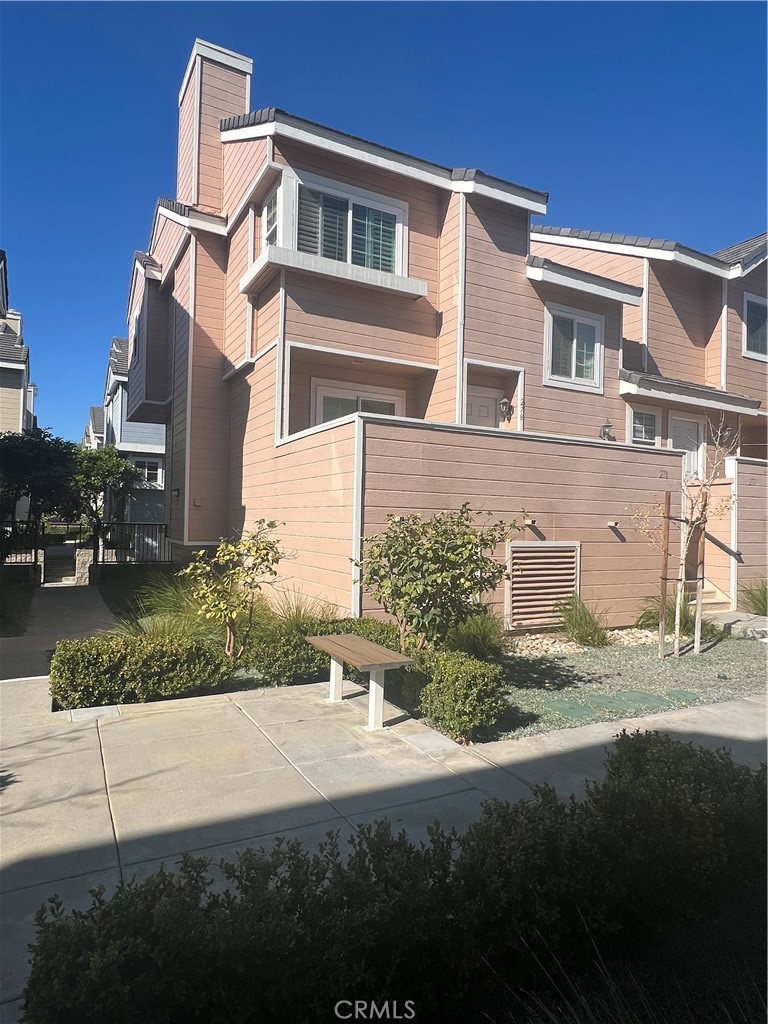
(141, 449)
(354, 354)
(376, 156)
(670, 255)
(8, 365)
(742, 269)
(267, 176)
(627, 388)
(277, 258)
(585, 283)
(150, 273)
(228, 58)
(196, 221)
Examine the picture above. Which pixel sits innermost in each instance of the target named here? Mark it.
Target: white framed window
(573, 348)
(151, 470)
(332, 399)
(644, 425)
(269, 220)
(755, 342)
(349, 225)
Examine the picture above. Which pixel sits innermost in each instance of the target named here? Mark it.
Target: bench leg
(376, 701)
(335, 692)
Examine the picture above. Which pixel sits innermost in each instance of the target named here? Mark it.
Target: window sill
(277, 258)
(570, 385)
(757, 356)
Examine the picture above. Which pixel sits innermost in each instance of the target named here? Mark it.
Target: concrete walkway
(741, 624)
(57, 612)
(93, 796)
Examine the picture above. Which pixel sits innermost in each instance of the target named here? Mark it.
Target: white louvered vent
(542, 575)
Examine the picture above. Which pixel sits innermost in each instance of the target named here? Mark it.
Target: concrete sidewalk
(93, 796)
(57, 613)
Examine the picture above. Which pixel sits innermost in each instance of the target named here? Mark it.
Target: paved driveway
(93, 796)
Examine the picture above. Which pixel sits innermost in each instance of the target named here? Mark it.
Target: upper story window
(645, 426)
(269, 219)
(573, 349)
(150, 470)
(342, 223)
(755, 327)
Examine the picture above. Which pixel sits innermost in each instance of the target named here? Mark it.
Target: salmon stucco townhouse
(333, 330)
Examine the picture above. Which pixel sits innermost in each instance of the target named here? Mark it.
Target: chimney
(217, 84)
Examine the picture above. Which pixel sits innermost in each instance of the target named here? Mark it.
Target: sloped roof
(744, 252)
(97, 419)
(269, 114)
(118, 357)
(596, 279)
(10, 349)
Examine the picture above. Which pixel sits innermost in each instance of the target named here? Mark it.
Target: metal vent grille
(542, 575)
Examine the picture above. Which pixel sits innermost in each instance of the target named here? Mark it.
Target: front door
(483, 406)
(688, 435)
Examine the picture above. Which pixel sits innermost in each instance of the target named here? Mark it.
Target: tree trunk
(679, 596)
(700, 580)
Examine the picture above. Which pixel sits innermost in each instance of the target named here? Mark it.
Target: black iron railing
(135, 542)
(20, 543)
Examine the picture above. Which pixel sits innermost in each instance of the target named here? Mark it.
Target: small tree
(98, 471)
(429, 573)
(227, 582)
(36, 465)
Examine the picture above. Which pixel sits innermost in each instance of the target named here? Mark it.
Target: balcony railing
(135, 542)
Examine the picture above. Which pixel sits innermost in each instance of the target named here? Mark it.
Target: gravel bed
(562, 688)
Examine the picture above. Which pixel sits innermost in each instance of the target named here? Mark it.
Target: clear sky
(644, 118)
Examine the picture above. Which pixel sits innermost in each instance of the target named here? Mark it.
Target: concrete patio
(93, 796)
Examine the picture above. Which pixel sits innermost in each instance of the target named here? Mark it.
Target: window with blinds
(332, 227)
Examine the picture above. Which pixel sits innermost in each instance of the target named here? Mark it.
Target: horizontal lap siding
(442, 397)
(186, 144)
(222, 94)
(11, 399)
(714, 349)
(306, 485)
(751, 505)
(717, 562)
(176, 439)
(167, 241)
(236, 303)
(679, 321)
(209, 426)
(505, 324)
(267, 314)
(745, 376)
(572, 491)
(241, 163)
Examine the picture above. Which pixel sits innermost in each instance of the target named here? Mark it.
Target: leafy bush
(540, 876)
(649, 619)
(165, 607)
(480, 635)
(463, 694)
(581, 624)
(754, 596)
(110, 669)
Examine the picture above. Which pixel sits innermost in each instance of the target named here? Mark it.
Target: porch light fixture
(530, 522)
(506, 409)
(175, 492)
(605, 430)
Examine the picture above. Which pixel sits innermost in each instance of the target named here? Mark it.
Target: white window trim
(759, 300)
(289, 215)
(702, 462)
(551, 310)
(276, 191)
(160, 482)
(648, 410)
(321, 389)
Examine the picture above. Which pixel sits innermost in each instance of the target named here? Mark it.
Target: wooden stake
(664, 571)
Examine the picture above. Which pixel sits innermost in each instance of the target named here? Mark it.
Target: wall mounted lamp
(175, 492)
(506, 409)
(605, 430)
(614, 524)
(530, 522)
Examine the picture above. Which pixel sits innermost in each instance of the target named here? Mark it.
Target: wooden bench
(366, 657)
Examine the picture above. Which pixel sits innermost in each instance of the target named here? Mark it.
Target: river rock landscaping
(553, 683)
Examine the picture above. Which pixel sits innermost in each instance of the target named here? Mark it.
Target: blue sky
(642, 118)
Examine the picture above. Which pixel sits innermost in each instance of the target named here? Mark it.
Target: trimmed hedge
(462, 695)
(112, 669)
(385, 919)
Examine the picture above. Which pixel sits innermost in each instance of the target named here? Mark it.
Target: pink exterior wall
(680, 321)
(186, 144)
(745, 376)
(176, 433)
(237, 308)
(241, 163)
(572, 489)
(751, 505)
(441, 398)
(222, 94)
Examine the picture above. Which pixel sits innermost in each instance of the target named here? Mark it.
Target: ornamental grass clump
(754, 596)
(649, 619)
(581, 624)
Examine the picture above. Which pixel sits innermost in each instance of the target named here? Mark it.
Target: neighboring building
(141, 443)
(93, 435)
(17, 392)
(333, 330)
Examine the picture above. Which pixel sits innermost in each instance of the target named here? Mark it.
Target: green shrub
(480, 635)
(581, 624)
(649, 845)
(649, 619)
(463, 694)
(164, 607)
(110, 669)
(754, 596)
